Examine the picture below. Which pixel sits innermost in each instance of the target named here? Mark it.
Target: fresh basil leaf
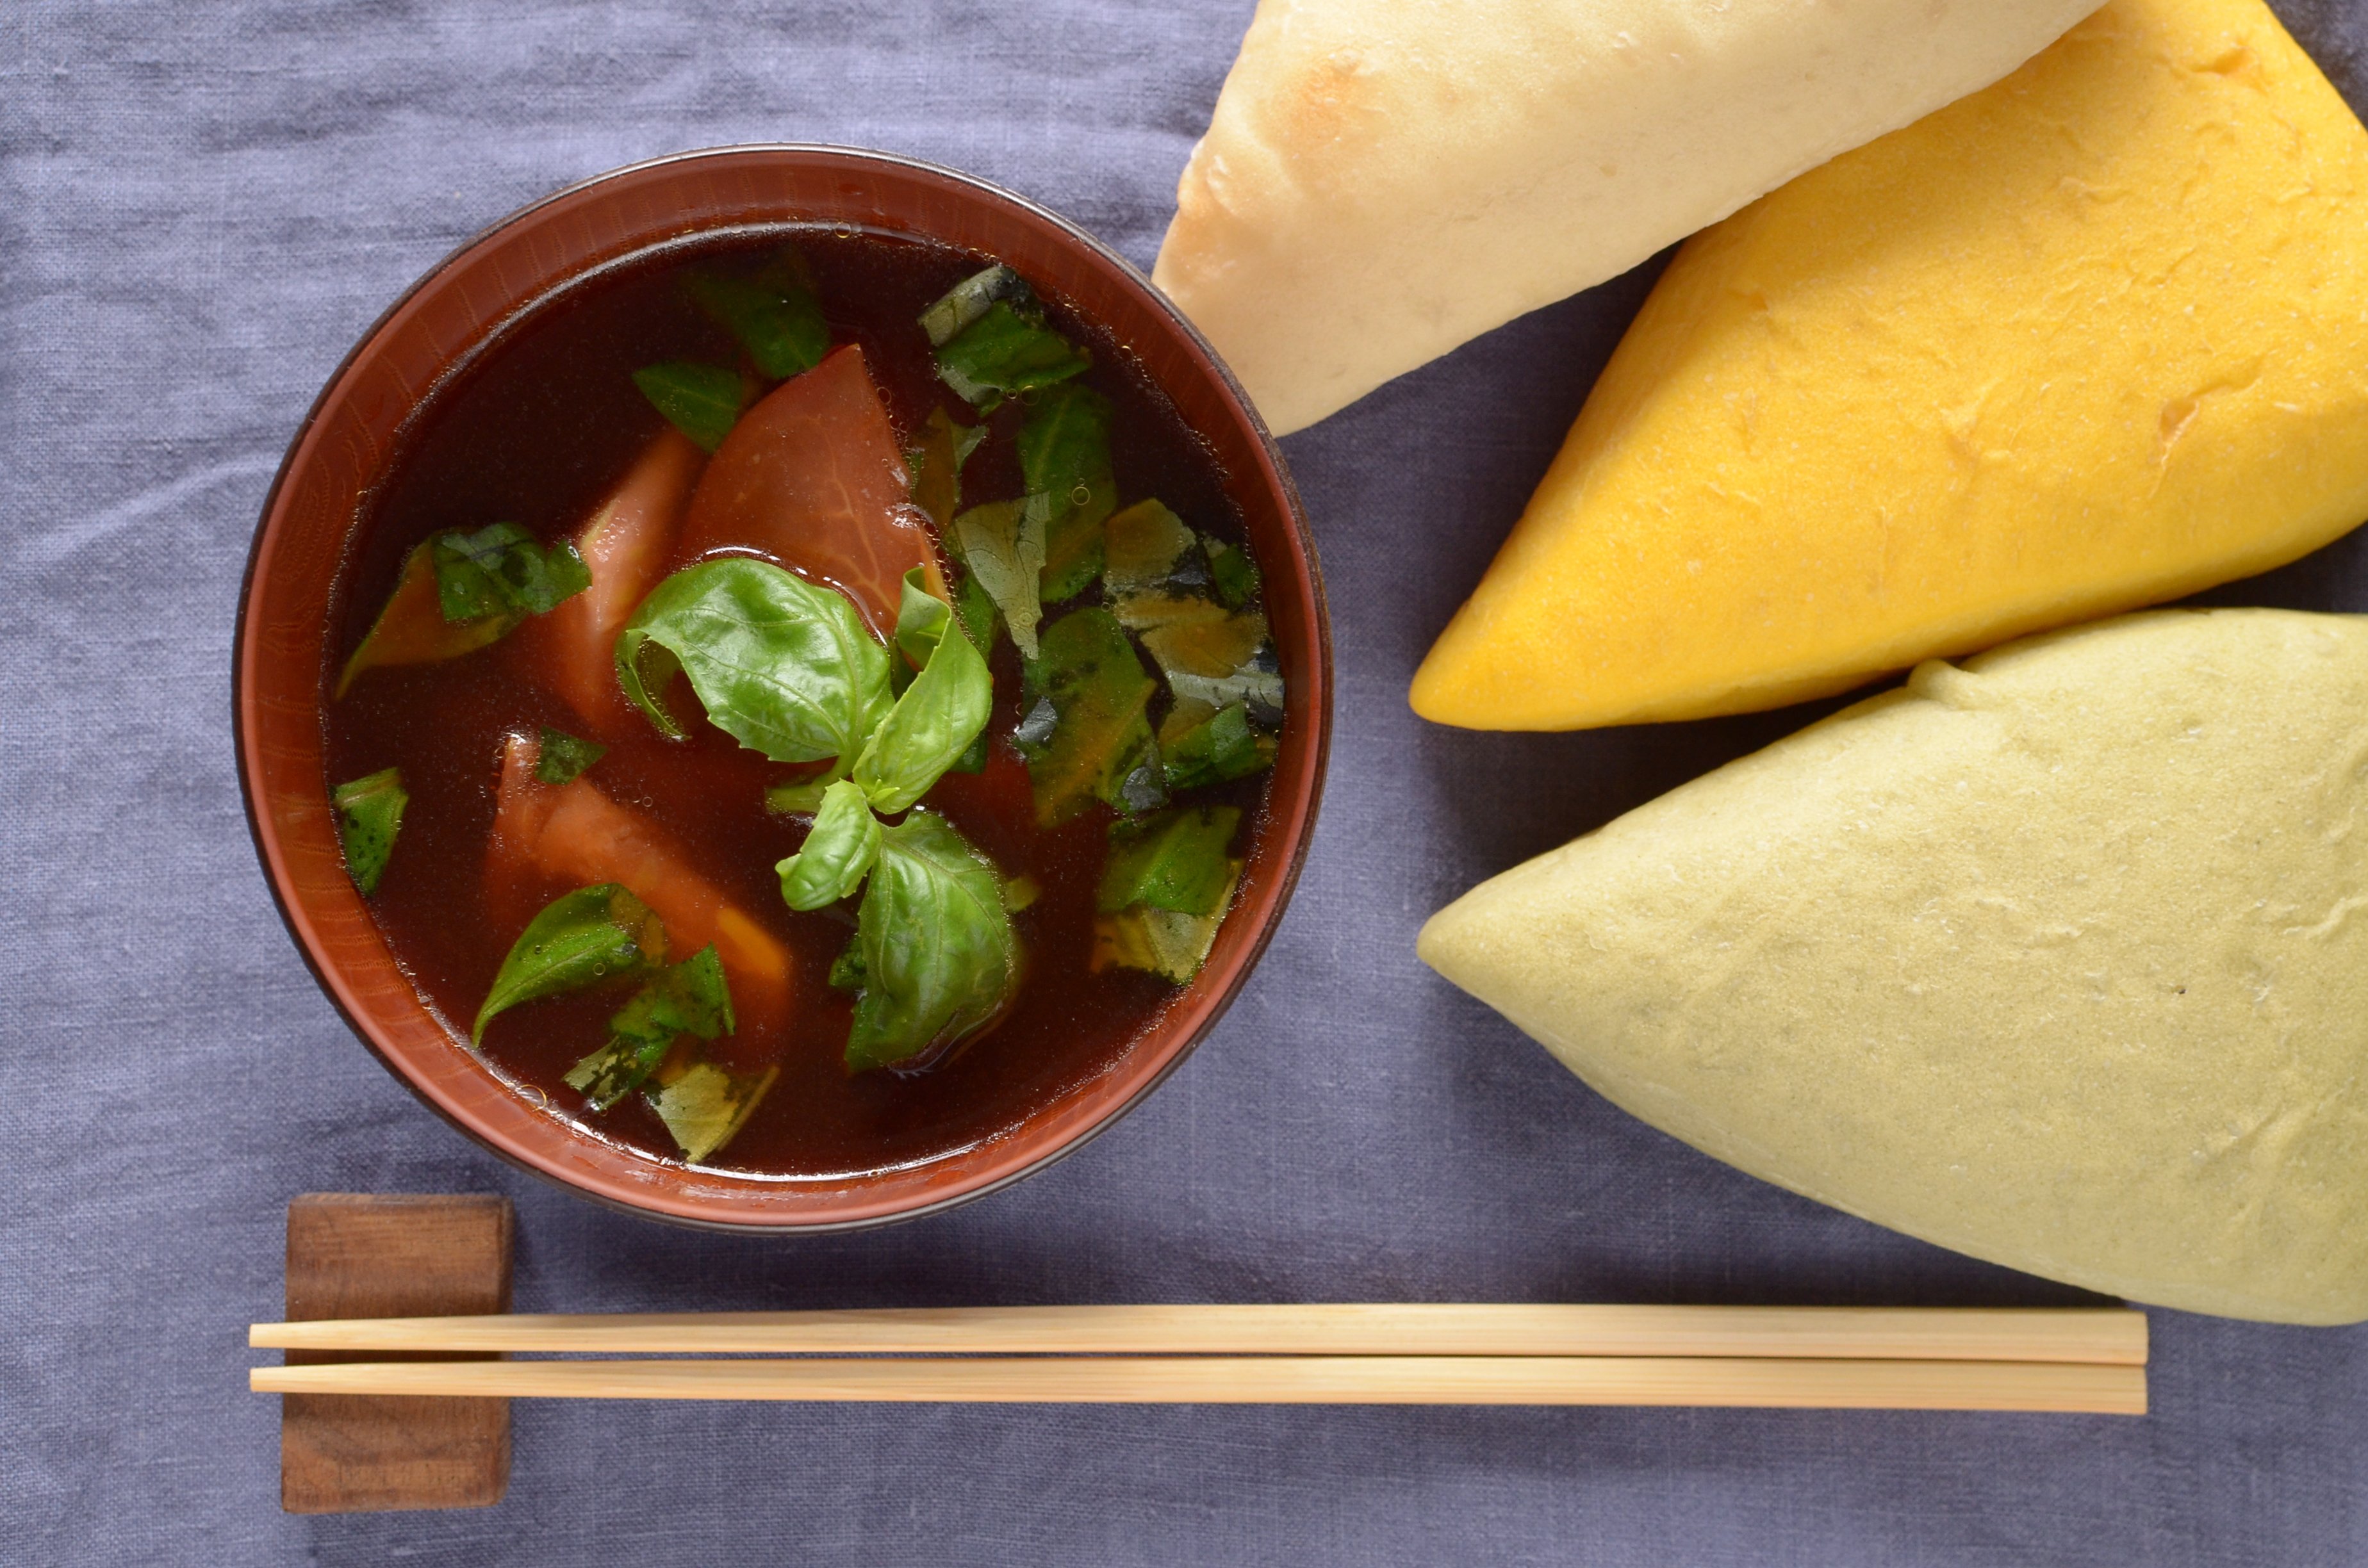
(1099, 745)
(1005, 351)
(940, 959)
(1231, 572)
(706, 1107)
(784, 666)
(1174, 860)
(1143, 547)
(970, 299)
(560, 758)
(847, 970)
(921, 620)
(1199, 746)
(936, 465)
(369, 813)
(932, 726)
(690, 997)
(499, 570)
(412, 629)
(1165, 942)
(837, 854)
(780, 324)
(592, 936)
(1002, 544)
(702, 401)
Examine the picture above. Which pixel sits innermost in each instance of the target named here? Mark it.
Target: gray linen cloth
(201, 205)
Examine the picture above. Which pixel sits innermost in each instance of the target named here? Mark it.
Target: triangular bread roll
(2093, 338)
(1383, 179)
(2059, 959)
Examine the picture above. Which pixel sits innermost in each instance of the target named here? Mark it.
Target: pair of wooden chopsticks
(1833, 1357)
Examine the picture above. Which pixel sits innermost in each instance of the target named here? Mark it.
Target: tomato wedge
(812, 478)
(571, 832)
(626, 545)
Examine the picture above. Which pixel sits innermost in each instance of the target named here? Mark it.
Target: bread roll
(2093, 339)
(1383, 179)
(2059, 959)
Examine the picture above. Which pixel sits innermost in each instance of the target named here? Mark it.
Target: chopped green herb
(1234, 575)
(779, 321)
(594, 936)
(1064, 458)
(936, 465)
(1198, 745)
(970, 299)
(1073, 540)
(1257, 686)
(1144, 546)
(499, 570)
(1002, 545)
(1020, 893)
(938, 956)
(369, 813)
(1174, 860)
(690, 997)
(976, 607)
(412, 629)
(847, 970)
(1213, 645)
(1084, 731)
(704, 402)
(707, 1107)
(1166, 942)
(1007, 350)
(784, 666)
(560, 758)
(837, 854)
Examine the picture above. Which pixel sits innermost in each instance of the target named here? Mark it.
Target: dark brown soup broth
(536, 430)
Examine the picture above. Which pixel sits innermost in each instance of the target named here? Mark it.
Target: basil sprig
(838, 852)
(934, 722)
(594, 936)
(784, 666)
(939, 958)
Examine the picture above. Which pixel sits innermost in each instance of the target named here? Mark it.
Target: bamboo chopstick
(1295, 1379)
(2113, 1336)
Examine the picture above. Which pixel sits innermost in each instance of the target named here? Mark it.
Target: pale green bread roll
(2059, 959)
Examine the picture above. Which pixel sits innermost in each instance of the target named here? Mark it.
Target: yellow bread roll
(2059, 959)
(1382, 179)
(2094, 337)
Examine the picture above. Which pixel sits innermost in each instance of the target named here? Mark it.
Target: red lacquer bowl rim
(324, 917)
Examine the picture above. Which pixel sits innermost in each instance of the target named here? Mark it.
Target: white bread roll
(1384, 179)
(2059, 959)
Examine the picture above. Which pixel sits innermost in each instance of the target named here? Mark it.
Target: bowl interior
(352, 435)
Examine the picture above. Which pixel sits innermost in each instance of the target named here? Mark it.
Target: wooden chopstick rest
(379, 1255)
